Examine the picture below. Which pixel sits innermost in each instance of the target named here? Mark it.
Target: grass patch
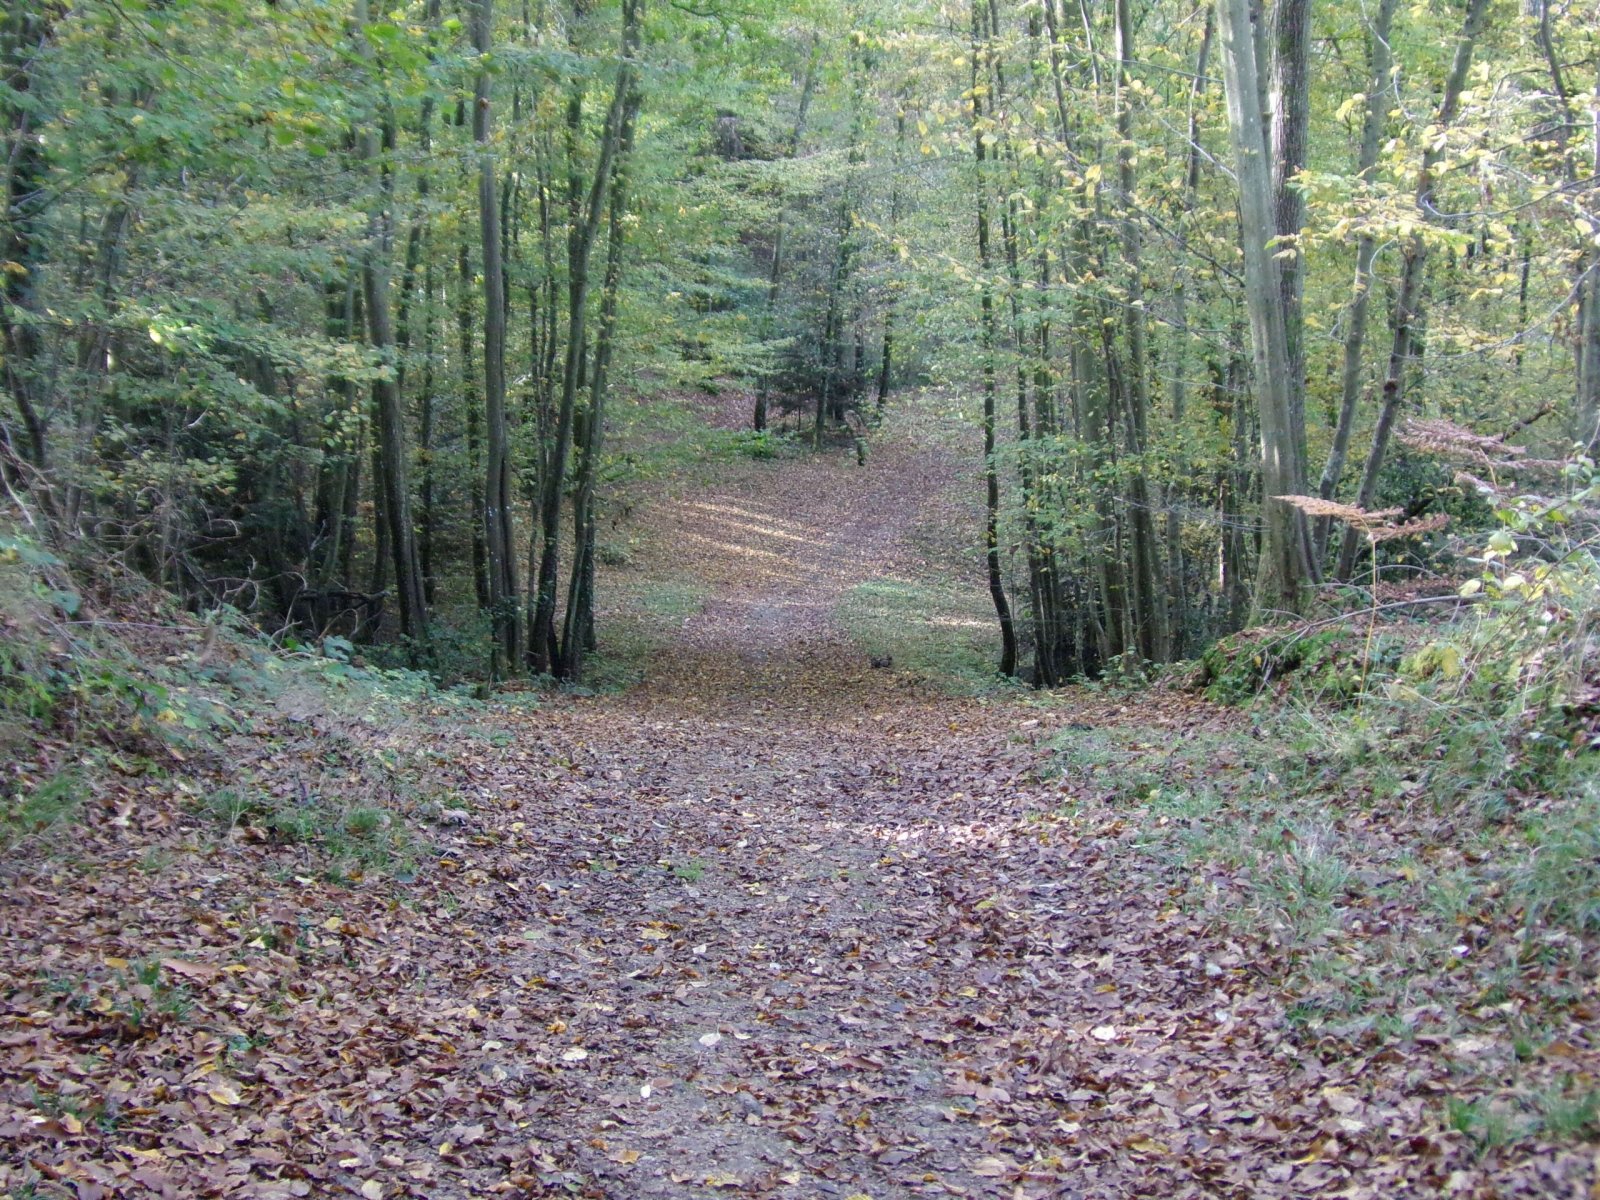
(638, 622)
(926, 628)
(672, 600)
(40, 812)
(1354, 851)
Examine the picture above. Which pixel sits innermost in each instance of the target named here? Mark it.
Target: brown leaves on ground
(775, 924)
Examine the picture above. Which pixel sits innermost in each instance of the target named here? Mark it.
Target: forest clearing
(873, 600)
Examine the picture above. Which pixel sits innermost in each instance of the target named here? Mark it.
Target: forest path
(775, 548)
(813, 929)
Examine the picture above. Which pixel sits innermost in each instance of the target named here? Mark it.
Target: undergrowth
(1406, 821)
(110, 695)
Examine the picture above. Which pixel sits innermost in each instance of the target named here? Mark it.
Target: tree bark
(392, 453)
(982, 46)
(1285, 566)
(1409, 306)
(1378, 83)
(544, 649)
(498, 532)
(1290, 89)
(576, 632)
(775, 272)
(23, 37)
(1149, 600)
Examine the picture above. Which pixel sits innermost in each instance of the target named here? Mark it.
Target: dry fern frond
(1433, 435)
(1439, 436)
(1483, 487)
(1350, 514)
(1415, 528)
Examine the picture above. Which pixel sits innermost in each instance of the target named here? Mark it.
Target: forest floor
(770, 922)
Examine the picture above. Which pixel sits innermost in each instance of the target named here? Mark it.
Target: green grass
(1570, 1112)
(690, 872)
(1486, 1123)
(40, 812)
(348, 836)
(672, 599)
(934, 630)
(1355, 847)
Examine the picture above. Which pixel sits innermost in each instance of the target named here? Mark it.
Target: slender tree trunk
(775, 272)
(498, 534)
(886, 357)
(578, 628)
(982, 45)
(1378, 84)
(391, 454)
(425, 437)
(1588, 405)
(1409, 306)
(466, 353)
(24, 33)
(1150, 602)
(1180, 374)
(544, 649)
(1290, 88)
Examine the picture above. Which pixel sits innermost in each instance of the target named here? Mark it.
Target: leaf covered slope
(771, 923)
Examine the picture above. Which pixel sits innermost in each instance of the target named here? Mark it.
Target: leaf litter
(772, 924)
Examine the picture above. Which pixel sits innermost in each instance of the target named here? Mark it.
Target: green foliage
(1330, 665)
(41, 811)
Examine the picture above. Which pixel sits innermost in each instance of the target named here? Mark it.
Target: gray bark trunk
(1284, 568)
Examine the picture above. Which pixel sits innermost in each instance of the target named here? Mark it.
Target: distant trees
(332, 301)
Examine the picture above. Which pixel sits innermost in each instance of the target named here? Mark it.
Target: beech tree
(318, 313)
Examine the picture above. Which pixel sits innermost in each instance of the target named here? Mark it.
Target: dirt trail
(773, 924)
(819, 931)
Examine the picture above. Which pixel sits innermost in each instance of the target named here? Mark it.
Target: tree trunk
(1150, 603)
(1180, 319)
(775, 273)
(578, 626)
(886, 356)
(1409, 305)
(391, 452)
(1290, 89)
(981, 45)
(1285, 566)
(544, 649)
(23, 37)
(498, 534)
(1378, 84)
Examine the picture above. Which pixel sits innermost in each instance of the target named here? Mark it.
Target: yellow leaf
(1146, 1145)
(224, 1092)
(117, 964)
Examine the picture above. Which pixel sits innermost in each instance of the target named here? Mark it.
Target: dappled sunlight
(739, 548)
(760, 523)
